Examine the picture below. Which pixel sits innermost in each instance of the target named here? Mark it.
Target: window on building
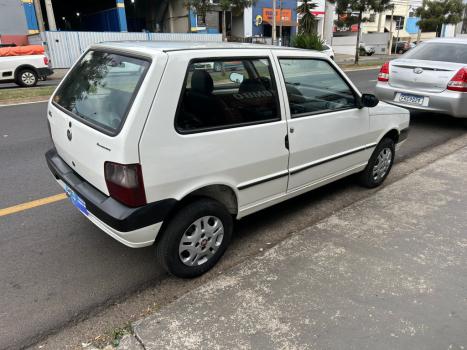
(313, 86)
(201, 21)
(227, 93)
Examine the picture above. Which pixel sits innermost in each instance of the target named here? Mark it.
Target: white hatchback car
(155, 151)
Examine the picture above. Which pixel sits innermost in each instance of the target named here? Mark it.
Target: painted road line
(32, 204)
(23, 103)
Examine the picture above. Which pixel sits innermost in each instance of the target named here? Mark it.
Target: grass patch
(26, 93)
(117, 334)
(363, 64)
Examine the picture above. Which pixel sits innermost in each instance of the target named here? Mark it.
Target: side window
(313, 86)
(227, 93)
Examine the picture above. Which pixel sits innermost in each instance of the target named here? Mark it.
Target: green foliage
(306, 23)
(308, 41)
(433, 14)
(200, 6)
(361, 6)
(203, 6)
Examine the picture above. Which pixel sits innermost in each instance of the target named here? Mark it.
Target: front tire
(195, 238)
(27, 78)
(379, 165)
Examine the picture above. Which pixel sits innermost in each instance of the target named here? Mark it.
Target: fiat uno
(156, 147)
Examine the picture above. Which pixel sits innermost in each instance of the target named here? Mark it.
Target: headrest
(201, 81)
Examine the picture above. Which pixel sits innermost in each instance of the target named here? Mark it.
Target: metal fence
(64, 48)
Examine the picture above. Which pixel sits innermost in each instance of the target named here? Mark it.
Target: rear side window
(100, 89)
(227, 93)
(445, 52)
(313, 86)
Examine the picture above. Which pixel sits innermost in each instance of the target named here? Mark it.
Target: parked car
(401, 47)
(171, 155)
(431, 77)
(366, 50)
(23, 69)
(327, 50)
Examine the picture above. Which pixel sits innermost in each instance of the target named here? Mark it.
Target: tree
(433, 14)
(306, 23)
(360, 7)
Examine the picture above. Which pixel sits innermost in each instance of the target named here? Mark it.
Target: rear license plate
(76, 200)
(413, 99)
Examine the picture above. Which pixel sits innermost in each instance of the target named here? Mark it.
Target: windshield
(444, 52)
(101, 88)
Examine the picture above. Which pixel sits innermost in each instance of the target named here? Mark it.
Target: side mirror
(236, 78)
(369, 100)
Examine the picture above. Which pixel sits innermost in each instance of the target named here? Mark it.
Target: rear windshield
(100, 89)
(445, 52)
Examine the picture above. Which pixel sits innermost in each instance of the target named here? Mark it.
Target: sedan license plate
(413, 99)
(76, 200)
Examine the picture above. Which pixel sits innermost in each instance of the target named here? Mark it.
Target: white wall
(344, 44)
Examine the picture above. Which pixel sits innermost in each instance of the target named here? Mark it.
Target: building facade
(17, 17)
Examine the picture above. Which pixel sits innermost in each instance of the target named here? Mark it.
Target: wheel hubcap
(28, 78)
(201, 241)
(383, 163)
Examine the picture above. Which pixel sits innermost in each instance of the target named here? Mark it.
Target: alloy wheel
(28, 78)
(201, 241)
(383, 163)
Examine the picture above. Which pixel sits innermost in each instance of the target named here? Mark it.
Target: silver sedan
(430, 77)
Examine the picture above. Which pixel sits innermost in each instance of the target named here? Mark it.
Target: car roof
(154, 47)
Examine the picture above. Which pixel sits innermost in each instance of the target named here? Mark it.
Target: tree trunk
(357, 49)
(224, 27)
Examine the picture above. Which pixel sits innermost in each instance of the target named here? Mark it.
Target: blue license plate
(76, 200)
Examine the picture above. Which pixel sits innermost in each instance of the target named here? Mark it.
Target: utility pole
(274, 22)
(39, 17)
(390, 32)
(280, 25)
(398, 28)
(50, 15)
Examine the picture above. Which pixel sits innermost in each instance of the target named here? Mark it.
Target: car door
(328, 132)
(229, 128)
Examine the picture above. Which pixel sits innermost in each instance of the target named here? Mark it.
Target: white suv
(154, 146)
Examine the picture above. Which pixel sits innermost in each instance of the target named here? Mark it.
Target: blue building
(263, 15)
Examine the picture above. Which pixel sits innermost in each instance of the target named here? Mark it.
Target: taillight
(383, 74)
(125, 183)
(46, 60)
(459, 81)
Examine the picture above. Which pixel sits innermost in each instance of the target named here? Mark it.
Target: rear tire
(379, 165)
(27, 78)
(195, 238)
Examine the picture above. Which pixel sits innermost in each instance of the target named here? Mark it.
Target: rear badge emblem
(418, 70)
(69, 134)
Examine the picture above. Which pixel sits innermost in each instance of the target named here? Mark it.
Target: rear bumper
(447, 102)
(45, 72)
(134, 227)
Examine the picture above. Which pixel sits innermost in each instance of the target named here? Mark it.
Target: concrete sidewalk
(388, 272)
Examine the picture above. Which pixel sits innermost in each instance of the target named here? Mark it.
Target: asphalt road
(55, 265)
